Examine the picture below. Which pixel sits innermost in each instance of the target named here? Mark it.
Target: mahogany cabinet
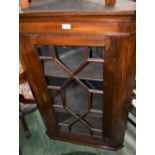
(80, 60)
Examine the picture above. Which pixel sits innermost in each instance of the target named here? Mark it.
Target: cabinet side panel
(109, 68)
(123, 84)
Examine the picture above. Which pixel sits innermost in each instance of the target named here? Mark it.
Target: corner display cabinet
(80, 59)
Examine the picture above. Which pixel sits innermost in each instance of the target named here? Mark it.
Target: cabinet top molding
(79, 7)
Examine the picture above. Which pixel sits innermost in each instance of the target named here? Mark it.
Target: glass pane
(74, 78)
(43, 50)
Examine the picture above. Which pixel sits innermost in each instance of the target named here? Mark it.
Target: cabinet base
(84, 140)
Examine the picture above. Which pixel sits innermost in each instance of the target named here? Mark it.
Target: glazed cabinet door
(73, 79)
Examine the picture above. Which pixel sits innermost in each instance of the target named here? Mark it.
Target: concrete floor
(39, 144)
